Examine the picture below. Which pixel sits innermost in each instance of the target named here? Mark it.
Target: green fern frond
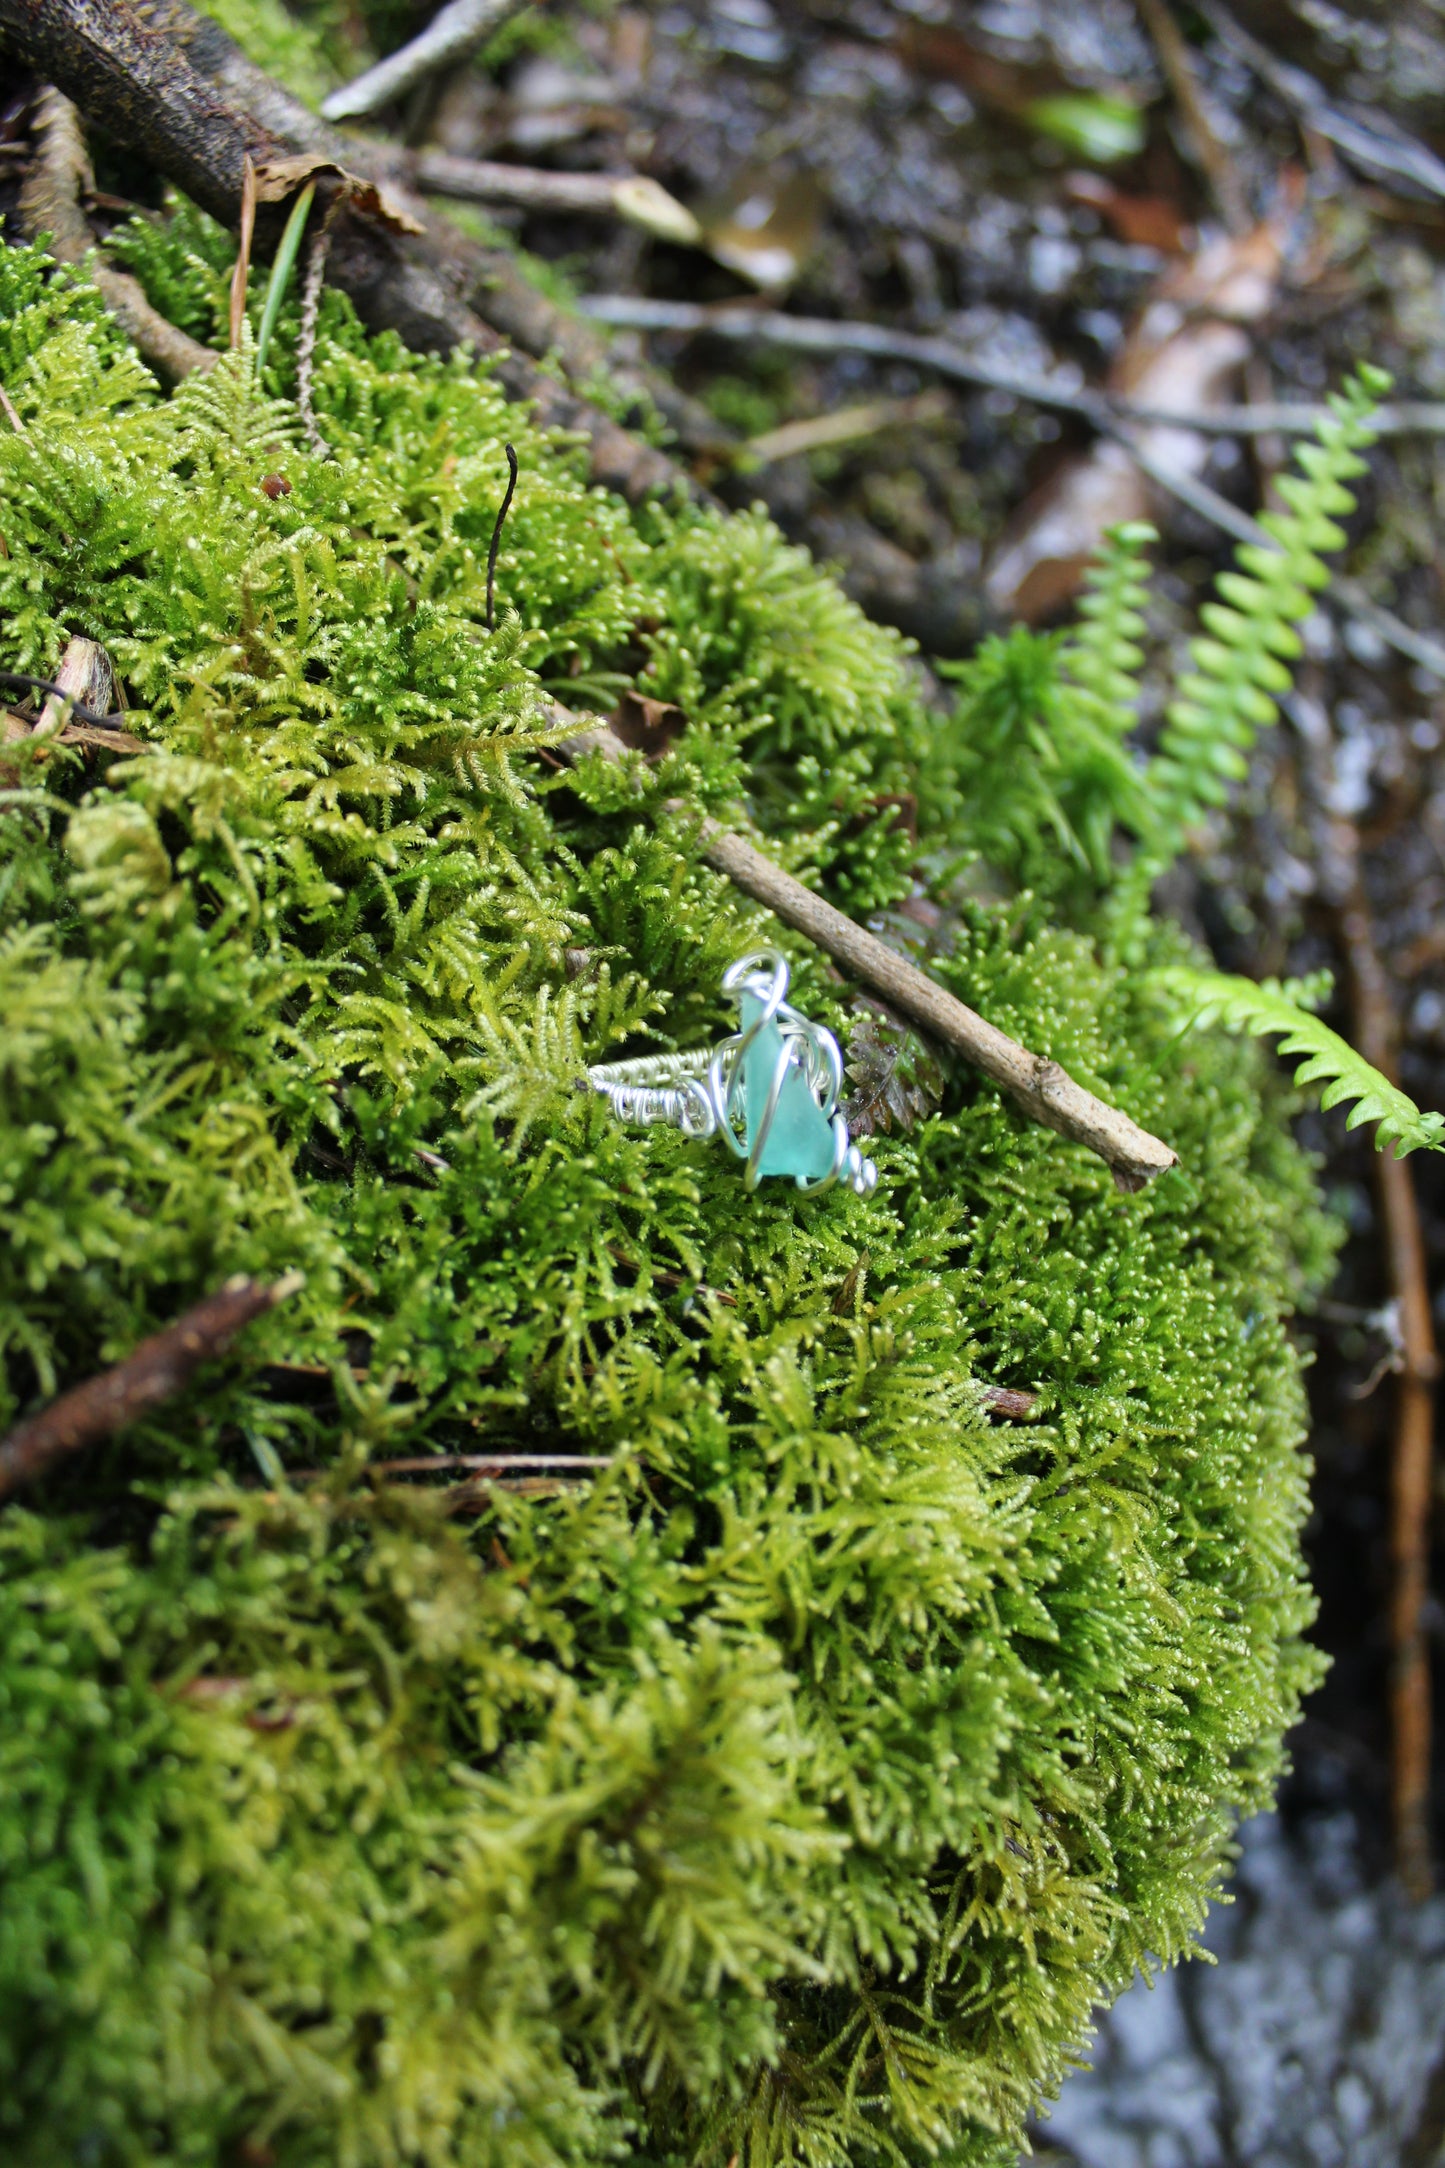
(1214, 997)
(1102, 657)
(1241, 662)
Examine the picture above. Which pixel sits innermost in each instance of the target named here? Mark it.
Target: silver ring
(770, 1090)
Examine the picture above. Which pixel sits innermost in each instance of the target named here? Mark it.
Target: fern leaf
(1240, 661)
(1214, 997)
(1102, 657)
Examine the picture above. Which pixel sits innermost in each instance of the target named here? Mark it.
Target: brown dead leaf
(278, 178)
(896, 1081)
(1141, 221)
(1182, 354)
(646, 725)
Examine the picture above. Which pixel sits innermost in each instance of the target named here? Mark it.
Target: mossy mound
(792, 1788)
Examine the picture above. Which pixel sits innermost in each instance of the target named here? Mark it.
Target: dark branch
(158, 1369)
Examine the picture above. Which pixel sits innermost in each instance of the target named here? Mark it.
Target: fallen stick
(632, 196)
(828, 335)
(453, 33)
(1376, 1033)
(1042, 1087)
(157, 1370)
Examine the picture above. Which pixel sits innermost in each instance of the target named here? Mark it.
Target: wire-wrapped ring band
(723, 1093)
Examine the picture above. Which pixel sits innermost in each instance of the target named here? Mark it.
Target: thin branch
(632, 196)
(1376, 1033)
(7, 407)
(477, 1464)
(54, 686)
(157, 1370)
(845, 425)
(1366, 136)
(1004, 1400)
(241, 273)
(50, 203)
(1043, 1088)
(453, 33)
(84, 685)
(829, 335)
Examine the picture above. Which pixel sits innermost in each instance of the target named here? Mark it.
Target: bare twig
(496, 543)
(632, 196)
(1004, 1400)
(845, 426)
(50, 203)
(477, 1464)
(1373, 142)
(8, 409)
(827, 335)
(84, 686)
(54, 686)
(455, 31)
(1376, 1033)
(158, 1369)
(1043, 1088)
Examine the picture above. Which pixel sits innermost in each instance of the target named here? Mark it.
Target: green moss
(794, 1788)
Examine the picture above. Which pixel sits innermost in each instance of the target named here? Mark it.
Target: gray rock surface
(1317, 2040)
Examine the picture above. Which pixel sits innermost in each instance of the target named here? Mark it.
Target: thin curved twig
(453, 33)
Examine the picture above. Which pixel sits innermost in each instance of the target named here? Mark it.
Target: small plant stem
(827, 335)
(506, 506)
(1209, 154)
(240, 275)
(157, 1370)
(281, 271)
(633, 196)
(306, 340)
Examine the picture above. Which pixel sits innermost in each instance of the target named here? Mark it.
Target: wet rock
(1316, 2041)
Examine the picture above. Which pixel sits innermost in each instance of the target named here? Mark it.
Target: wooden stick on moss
(1043, 1088)
(155, 1372)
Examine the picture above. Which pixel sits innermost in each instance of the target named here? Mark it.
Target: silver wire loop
(704, 1094)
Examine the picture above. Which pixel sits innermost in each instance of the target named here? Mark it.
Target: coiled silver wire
(704, 1095)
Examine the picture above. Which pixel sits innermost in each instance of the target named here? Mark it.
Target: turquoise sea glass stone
(800, 1140)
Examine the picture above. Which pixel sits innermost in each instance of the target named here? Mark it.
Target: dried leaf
(1181, 355)
(646, 725)
(1141, 221)
(278, 178)
(897, 1081)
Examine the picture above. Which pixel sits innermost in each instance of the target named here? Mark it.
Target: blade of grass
(281, 270)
